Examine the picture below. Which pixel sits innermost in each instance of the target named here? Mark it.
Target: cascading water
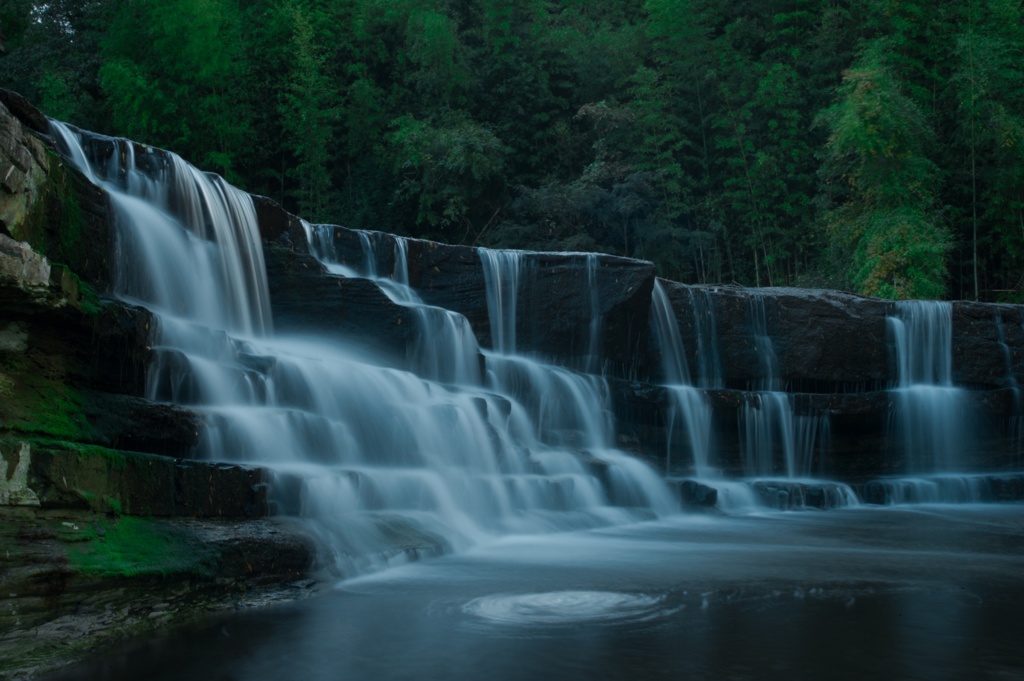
(1015, 423)
(930, 424)
(592, 363)
(502, 272)
(445, 349)
(388, 464)
(768, 426)
(709, 363)
(770, 432)
(689, 408)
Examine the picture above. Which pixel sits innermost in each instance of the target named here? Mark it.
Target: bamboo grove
(875, 146)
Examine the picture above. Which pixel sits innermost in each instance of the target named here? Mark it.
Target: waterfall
(592, 362)
(502, 272)
(709, 362)
(1015, 422)
(688, 409)
(930, 425)
(770, 433)
(445, 349)
(931, 421)
(385, 465)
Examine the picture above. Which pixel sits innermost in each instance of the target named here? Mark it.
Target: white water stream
(468, 444)
(391, 464)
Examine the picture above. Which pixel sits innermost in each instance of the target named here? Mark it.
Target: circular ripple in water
(563, 607)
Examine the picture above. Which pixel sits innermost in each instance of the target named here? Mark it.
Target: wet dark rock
(120, 344)
(694, 494)
(278, 225)
(861, 440)
(985, 488)
(54, 609)
(305, 298)
(138, 425)
(828, 341)
(554, 302)
(67, 476)
(24, 111)
(791, 495)
(825, 341)
(980, 358)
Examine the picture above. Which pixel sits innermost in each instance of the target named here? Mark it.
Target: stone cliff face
(833, 351)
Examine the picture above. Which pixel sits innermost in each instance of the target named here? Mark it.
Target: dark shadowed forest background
(870, 145)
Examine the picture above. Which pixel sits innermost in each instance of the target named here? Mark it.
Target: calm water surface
(931, 592)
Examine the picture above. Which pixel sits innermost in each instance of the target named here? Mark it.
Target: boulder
(787, 495)
(24, 174)
(694, 494)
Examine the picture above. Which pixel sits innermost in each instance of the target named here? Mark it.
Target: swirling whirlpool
(566, 607)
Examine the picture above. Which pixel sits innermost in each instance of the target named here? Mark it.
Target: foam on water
(565, 607)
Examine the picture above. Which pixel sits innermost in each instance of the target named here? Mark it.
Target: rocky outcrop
(824, 341)
(102, 544)
(74, 581)
(66, 476)
(555, 305)
(24, 173)
(108, 528)
(828, 341)
(305, 298)
(988, 345)
(46, 203)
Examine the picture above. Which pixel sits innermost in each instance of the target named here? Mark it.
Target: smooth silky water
(926, 592)
(554, 554)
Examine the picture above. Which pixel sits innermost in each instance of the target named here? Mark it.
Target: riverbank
(75, 581)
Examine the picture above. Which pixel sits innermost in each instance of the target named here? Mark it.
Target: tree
(883, 186)
(173, 71)
(309, 114)
(450, 173)
(53, 56)
(987, 145)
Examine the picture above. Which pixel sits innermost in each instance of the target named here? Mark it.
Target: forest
(874, 146)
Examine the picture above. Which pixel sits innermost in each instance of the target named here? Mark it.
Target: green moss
(53, 224)
(81, 295)
(67, 246)
(117, 457)
(49, 408)
(131, 547)
(118, 460)
(32, 229)
(114, 504)
(88, 496)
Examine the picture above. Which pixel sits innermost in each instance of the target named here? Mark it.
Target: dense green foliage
(877, 146)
